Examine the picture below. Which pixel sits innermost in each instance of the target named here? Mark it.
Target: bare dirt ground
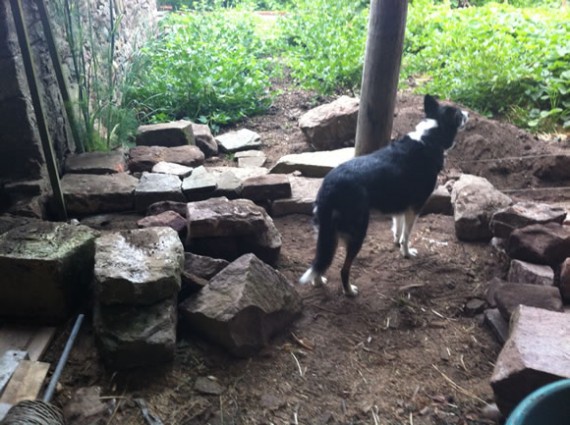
(403, 352)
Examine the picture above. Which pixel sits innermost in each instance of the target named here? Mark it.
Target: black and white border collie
(396, 180)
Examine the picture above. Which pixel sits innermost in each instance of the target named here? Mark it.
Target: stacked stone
(137, 280)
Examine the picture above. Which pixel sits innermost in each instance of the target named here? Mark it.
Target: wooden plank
(40, 342)
(9, 362)
(26, 382)
(33, 339)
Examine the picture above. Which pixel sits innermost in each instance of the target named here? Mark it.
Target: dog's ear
(430, 106)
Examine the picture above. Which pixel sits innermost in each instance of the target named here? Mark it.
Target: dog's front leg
(409, 218)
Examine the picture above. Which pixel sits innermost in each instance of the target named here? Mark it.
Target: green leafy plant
(496, 59)
(323, 43)
(211, 67)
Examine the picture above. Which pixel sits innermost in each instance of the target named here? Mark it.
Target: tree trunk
(384, 48)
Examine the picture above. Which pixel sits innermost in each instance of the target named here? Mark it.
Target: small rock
(86, 406)
(206, 267)
(228, 185)
(144, 158)
(474, 306)
(251, 161)
(163, 206)
(208, 386)
(492, 413)
(495, 320)
(303, 195)
(439, 202)
(492, 287)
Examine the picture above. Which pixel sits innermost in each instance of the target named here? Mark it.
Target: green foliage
(211, 67)
(216, 4)
(496, 58)
(324, 42)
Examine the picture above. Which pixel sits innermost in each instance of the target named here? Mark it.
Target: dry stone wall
(21, 155)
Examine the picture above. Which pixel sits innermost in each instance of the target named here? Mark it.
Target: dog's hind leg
(409, 219)
(397, 226)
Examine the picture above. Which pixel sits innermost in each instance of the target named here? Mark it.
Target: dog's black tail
(327, 240)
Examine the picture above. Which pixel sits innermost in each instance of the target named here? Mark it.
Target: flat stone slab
(144, 158)
(266, 188)
(138, 267)
(176, 133)
(523, 272)
(135, 336)
(499, 326)
(250, 158)
(199, 185)
(155, 187)
(166, 219)
(178, 170)
(303, 195)
(239, 140)
(510, 295)
(241, 173)
(87, 194)
(312, 164)
(96, 163)
(46, 270)
(535, 354)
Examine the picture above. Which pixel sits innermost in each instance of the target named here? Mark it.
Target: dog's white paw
(408, 252)
(319, 281)
(352, 292)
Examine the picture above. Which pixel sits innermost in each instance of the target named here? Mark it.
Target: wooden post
(386, 27)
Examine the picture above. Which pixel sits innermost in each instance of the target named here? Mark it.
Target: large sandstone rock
(303, 195)
(312, 164)
(535, 354)
(156, 187)
(96, 163)
(87, 194)
(221, 228)
(130, 336)
(243, 306)
(510, 295)
(523, 214)
(331, 126)
(144, 158)
(540, 243)
(475, 200)
(138, 267)
(176, 133)
(523, 272)
(46, 270)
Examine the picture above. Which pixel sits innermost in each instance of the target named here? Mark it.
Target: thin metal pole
(63, 359)
(28, 60)
(61, 82)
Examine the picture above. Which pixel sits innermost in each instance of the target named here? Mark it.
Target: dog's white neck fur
(422, 128)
